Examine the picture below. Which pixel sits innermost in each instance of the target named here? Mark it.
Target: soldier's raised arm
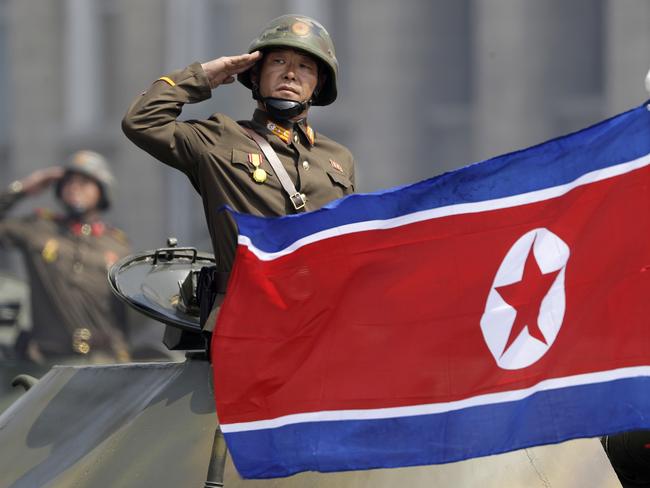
(32, 184)
(151, 120)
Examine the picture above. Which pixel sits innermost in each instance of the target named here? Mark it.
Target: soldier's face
(288, 74)
(80, 192)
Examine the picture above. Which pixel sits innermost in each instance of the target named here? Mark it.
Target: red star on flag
(526, 296)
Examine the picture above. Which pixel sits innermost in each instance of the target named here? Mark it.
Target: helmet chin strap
(284, 109)
(76, 212)
(281, 109)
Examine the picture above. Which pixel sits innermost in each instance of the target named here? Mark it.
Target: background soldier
(289, 67)
(74, 313)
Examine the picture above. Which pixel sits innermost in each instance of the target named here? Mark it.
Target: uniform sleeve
(11, 230)
(8, 199)
(151, 120)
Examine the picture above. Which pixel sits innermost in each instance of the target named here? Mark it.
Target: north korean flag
(499, 306)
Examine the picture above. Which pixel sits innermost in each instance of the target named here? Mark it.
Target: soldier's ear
(255, 74)
(254, 77)
(322, 79)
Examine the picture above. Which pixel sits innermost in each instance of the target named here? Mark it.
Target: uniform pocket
(240, 158)
(340, 179)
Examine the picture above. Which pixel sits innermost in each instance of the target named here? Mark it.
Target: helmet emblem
(300, 29)
(80, 158)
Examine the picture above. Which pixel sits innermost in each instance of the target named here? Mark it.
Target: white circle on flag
(551, 255)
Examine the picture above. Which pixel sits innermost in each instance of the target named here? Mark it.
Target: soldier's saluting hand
(39, 180)
(224, 70)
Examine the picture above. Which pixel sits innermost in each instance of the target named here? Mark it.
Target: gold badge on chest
(259, 175)
(50, 251)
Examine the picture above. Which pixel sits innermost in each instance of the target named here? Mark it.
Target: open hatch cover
(156, 283)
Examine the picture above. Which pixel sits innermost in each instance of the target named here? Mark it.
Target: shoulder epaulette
(118, 234)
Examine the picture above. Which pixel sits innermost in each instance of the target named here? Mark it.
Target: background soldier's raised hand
(223, 70)
(41, 179)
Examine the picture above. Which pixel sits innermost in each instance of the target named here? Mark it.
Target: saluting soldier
(74, 312)
(289, 67)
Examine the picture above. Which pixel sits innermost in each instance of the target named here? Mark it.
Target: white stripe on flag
(458, 209)
(435, 408)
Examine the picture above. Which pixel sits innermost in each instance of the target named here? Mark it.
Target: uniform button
(295, 138)
(304, 197)
(77, 267)
(305, 164)
(81, 334)
(80, 340)
(81, 347)
(86, 229)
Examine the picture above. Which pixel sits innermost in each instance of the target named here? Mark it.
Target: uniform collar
(96, 228)
(285, 131)
(307, 131)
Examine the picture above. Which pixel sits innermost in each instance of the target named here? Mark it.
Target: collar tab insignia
(281, 132)
(309, 132)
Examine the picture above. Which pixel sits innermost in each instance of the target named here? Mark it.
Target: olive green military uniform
(73, 310)
(219, 158)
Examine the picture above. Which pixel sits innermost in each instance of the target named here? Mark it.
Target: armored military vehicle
(154, 423)
(15, 322)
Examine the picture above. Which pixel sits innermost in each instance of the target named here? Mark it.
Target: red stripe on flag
(391, 318)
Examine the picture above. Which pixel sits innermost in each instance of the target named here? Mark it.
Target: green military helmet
(306, 34)
(92, 165)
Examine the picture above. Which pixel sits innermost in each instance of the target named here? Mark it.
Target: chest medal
(259, 175)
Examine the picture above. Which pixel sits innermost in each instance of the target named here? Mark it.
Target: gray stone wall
(426, 86)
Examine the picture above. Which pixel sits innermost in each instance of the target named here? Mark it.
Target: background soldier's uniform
(73, 310)
(218, 157)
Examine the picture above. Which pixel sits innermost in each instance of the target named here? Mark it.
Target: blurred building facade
(426, 85)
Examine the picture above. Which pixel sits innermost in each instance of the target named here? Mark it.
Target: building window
(446, 82)
(108, 33)
(5, 70)
(90, 47)
(578, 47)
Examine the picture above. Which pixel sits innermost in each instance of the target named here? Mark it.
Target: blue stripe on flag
(574, 412)
(556, 162)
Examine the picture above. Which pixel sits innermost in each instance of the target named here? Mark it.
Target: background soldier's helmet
(93, 165)
(306, 34)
